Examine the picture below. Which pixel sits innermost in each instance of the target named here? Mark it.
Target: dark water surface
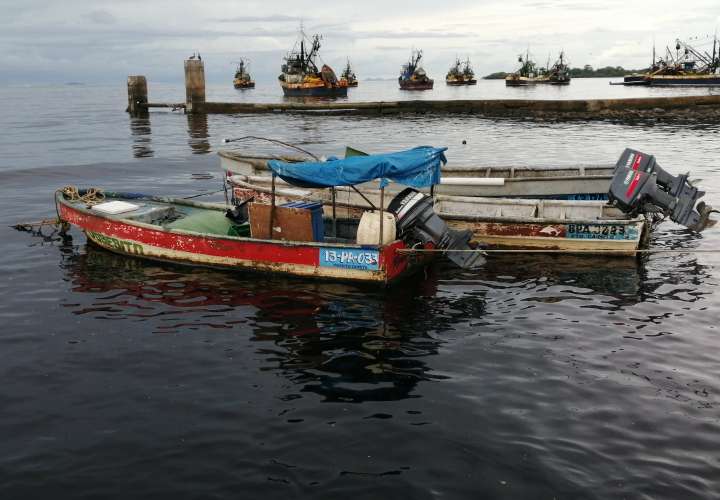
(534, 377)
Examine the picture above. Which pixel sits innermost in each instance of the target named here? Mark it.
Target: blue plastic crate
(316, 209)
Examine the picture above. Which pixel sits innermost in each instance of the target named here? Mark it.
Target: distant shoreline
(584, 72)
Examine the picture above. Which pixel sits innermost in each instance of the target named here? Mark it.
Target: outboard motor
(639, 185)
(418, 221)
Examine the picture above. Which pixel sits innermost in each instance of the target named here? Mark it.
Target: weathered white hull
(564, 225)
(508, 182)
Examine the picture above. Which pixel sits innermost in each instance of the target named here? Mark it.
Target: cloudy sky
(104, 41)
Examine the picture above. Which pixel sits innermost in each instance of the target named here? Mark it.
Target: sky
(100, 41)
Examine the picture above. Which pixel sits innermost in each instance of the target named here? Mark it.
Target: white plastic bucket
(369, 228)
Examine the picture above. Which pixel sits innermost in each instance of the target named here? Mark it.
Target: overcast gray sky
(103, 41)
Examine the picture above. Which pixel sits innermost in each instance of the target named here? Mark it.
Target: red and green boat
(295, 239)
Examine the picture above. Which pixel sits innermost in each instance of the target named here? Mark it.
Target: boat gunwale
(491, 201)
(249, 182)
(538, 220)
(212, 206)
(260, 162)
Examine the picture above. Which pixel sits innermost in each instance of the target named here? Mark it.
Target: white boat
(580, 182)
(542, 224)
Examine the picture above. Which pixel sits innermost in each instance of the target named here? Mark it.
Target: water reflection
(345, 342)
(198, 133)
(141, 136)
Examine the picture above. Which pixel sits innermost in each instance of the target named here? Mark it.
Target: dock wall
(584, 108)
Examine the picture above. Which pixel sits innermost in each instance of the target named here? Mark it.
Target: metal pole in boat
(432, 194)
(334, 228)
(272, 207)
(382, 207)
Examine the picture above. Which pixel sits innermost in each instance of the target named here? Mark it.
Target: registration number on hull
(601, 232)
(350, 258)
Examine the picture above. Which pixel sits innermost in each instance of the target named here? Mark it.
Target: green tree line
(586, 71)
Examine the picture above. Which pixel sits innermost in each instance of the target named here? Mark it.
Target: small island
(586, 71)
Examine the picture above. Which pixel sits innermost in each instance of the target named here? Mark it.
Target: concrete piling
(194, 84)
(137, 94)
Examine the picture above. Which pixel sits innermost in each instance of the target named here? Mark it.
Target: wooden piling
(194, 85)
(137, 95)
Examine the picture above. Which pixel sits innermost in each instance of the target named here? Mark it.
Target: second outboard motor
(417, 220)
(639, 185)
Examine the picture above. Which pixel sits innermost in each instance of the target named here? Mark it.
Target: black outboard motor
(418, 221)
(639, 185)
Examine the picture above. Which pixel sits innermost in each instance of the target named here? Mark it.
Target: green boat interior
(212, 219)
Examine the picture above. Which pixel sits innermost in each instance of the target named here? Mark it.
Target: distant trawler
(558, 73)
(301, 76)
(530, 74)
(461, 74)
(525, 75)
(688, 67)
(412, 76)
(242, 79)
(349, 76)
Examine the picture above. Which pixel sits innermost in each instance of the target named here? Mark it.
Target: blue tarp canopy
(418, 167)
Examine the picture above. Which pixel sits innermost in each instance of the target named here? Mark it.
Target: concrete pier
(580, 108)
(194, 84)
(137, 94)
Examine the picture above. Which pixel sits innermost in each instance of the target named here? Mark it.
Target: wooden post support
(137, 94)
(382, 213)
(194, 85)
(334, 224)
(272, 207)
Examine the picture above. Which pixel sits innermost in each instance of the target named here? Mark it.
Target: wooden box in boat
(151, 231)
(529, 182)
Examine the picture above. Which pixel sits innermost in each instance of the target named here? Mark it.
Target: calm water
(535, 377)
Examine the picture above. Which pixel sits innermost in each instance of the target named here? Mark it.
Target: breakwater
(581, 108)
(668, 107)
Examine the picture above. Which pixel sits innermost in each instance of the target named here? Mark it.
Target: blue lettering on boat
(601, 232)
(350, 258)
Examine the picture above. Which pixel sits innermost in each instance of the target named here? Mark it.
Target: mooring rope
(555, 250)
(92, 196)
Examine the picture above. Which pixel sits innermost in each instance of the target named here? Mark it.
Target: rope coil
(92, 196)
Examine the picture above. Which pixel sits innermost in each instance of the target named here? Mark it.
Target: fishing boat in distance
(461, 73)
(301, 77)
(558, 182)
(413, 76)
(688, 67)
(557, 74)
(242, 79)
(282, 238)
(525, 75)
(349, 76)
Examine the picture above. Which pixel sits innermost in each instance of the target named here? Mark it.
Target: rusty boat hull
(138, 234)
(304, 90)
(459, 83)
(244, 84)
(416, 84)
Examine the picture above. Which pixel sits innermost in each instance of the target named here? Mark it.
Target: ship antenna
(653, 59)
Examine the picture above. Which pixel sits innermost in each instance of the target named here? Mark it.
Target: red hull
(299, 258)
